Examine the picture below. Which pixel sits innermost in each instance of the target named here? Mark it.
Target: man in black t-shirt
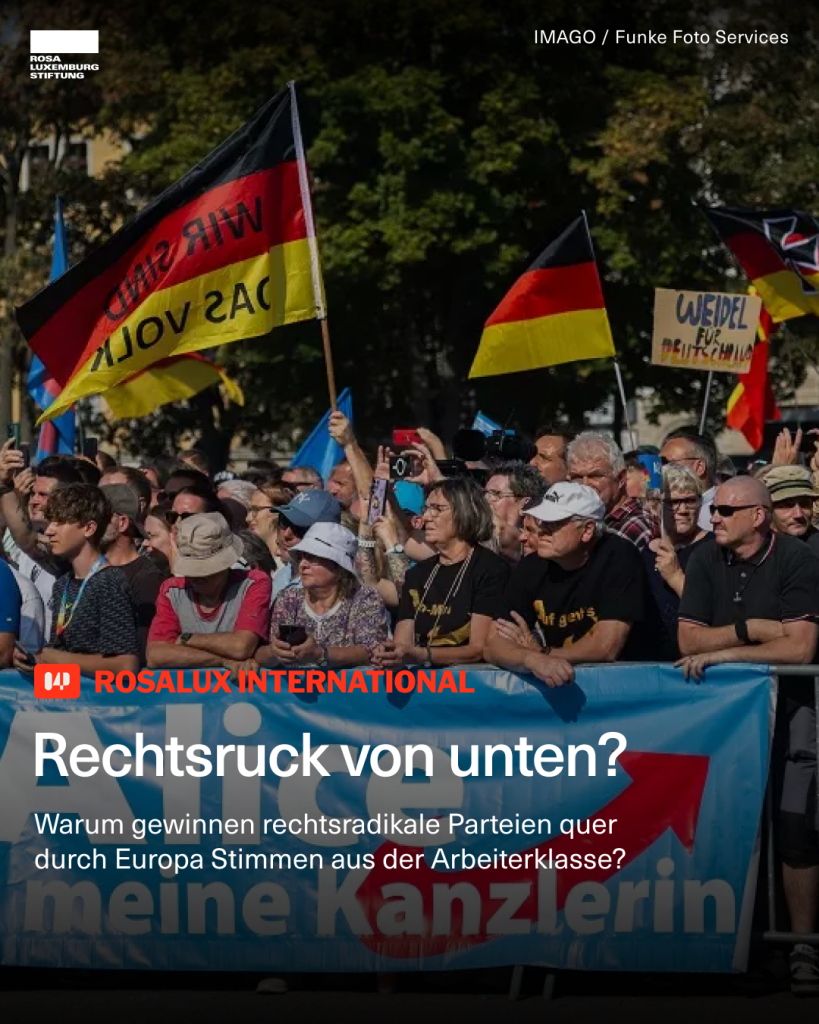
(752, 595)
(143, 577)
(578, 600)
(94, 621)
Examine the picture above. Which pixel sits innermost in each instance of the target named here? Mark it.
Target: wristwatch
(429, 662)
(396, 549)
(323, 661)
(184, 637)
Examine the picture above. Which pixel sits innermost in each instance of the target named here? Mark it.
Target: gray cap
(124, 501)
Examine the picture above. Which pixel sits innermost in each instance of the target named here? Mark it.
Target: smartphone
(400, 466)
(292, 634)
(27, 656)
(89, 447)
(378, 498)
(14, 432)
(406, 437)
(809, 442)
(25, 450)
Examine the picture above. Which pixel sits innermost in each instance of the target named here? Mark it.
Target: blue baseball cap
(311, 507)
(410, 496)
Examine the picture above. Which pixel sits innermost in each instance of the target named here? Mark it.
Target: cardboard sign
(704, 330)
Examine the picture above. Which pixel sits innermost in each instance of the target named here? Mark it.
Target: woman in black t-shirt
(449, 602)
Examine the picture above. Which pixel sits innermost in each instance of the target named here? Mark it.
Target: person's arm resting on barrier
(791, 641)
(695, 638)
(90, 663)
(795, 647)
(209, 650)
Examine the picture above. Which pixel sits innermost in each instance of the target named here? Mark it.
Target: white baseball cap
(564, 500)
(331, 541)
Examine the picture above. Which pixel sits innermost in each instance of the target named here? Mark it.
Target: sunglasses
(675, 462)
(681, 502)
(172, 518)
(726, 511)
(285, 524)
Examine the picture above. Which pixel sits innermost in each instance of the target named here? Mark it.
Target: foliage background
(446, 150)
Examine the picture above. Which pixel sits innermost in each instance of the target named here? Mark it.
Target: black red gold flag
(778, 251)
(553, 314)
(225, 254)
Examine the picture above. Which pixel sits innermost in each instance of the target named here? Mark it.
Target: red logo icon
(52, 681)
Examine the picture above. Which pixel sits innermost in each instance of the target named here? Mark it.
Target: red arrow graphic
(665, 792)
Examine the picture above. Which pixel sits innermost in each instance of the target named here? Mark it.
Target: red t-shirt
(254, 613)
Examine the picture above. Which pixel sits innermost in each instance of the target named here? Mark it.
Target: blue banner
(672, 873)
(319, 450)
(57, 435)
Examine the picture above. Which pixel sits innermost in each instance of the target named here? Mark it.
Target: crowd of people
(536, 567)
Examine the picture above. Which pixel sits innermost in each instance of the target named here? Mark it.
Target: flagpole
(619, 376)
(312, 243)
(705, 401)
(617, 373)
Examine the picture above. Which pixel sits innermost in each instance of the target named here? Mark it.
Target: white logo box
(54, 41)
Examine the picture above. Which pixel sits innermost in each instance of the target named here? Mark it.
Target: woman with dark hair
(449, 602)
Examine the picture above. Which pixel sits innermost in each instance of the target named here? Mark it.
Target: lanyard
(62, 622)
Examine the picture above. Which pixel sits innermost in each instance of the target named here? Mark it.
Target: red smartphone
(405, 437)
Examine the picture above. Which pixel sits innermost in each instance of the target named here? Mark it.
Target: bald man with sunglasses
(752, 595)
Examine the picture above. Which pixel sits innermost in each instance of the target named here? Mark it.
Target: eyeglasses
(434, 510)
(681, 502)
(726, 511)
(254, 510)
(171, 518)
(493, 495)
(673, 462)
(582, 478)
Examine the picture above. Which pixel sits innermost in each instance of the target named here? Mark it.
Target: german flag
(778, 251)
(553, 314)
(752, 402)
(174, 379)
(222, 255)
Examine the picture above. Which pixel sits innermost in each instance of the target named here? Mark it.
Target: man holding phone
(20, 486)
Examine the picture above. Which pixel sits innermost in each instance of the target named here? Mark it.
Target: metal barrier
(773, 934)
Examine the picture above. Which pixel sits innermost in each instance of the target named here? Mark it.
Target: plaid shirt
(630, 520)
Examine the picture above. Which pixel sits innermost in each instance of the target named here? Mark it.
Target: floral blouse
(357, 621)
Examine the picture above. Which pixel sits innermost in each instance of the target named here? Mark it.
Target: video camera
(503, 445)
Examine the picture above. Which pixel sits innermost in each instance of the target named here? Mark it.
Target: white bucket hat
(331, 541)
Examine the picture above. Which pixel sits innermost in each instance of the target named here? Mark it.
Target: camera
(500, 445)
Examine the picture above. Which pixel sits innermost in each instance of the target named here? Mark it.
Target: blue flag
(484, 424)
(319, 450)
(56, 436)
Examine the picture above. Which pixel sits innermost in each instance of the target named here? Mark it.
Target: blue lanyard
(62, 622)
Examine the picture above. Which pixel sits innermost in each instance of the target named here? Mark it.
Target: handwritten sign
(704, 330)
